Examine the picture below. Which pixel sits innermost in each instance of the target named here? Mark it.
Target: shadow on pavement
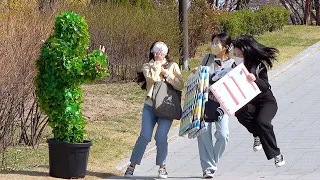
(133, 178)
(46, 174)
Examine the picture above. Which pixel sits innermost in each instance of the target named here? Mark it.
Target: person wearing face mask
(155, 70)
(257, 115)
(217, 60)
(237, 60)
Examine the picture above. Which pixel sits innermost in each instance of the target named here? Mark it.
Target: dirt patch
(99, 105)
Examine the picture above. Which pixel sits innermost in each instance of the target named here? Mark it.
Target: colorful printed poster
(197, 88)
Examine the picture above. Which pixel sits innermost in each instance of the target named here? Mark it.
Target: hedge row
(256, 22)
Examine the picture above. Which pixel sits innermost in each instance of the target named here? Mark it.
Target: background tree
(242, 4)
(317, 9)
(307, 12)
(303, 11)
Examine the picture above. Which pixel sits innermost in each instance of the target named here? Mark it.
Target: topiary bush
(62, 67)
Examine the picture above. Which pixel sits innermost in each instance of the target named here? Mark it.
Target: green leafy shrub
(257, 22)
(236, 23)
(273, 18)
(62, 67)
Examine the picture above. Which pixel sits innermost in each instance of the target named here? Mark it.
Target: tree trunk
(307, 13)
(212, 3)
(226, 2)
(232, 5)
(183, 19)
(242, 4)
(317, 8)
(293, 19)
(246, 3)
(296, 13)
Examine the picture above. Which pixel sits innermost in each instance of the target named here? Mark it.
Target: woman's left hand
(102, 48)
(251, 77)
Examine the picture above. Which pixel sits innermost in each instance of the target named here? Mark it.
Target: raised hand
(251, 77)
(102, 48)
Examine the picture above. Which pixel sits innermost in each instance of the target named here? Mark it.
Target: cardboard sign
(233, 90)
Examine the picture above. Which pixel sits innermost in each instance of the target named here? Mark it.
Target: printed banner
(197, 87)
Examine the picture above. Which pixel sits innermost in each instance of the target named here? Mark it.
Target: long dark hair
(225, 40)
(255, 53)
(140, 79)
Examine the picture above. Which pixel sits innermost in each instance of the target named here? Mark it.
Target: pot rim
(85, 143)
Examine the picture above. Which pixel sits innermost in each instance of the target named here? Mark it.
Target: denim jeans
(149, 120)
(210, 154)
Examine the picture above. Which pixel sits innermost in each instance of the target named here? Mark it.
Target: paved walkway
(296, 86)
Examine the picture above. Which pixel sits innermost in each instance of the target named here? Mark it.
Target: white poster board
(233, 90)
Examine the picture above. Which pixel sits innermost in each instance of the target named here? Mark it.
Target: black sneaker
(279, 160)
(162, 173)
(208, 174)
(257, 144)
(129, 171)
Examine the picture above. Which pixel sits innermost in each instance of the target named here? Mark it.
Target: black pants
(257, 119)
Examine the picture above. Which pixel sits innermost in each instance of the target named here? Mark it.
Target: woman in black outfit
(257, 115)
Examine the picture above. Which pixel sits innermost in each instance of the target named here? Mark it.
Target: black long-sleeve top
(262, 81)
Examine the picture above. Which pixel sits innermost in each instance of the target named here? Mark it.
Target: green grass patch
(291, 40)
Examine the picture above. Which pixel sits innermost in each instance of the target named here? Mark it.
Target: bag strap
(157, 91)
(207, 60)
(168, 64)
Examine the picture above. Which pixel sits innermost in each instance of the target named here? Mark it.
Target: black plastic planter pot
(68, 160)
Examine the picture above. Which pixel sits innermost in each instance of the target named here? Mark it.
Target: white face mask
(238, 60)
(216, 49)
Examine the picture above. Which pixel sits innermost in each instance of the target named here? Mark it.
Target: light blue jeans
(210, 154)
(149, 120)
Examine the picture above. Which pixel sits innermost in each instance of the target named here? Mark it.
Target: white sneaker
(279, 160)
(162, 173)
(208, 174)
(129, 172)
(257, 144)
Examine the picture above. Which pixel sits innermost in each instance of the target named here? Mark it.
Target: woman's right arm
(151, 71)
